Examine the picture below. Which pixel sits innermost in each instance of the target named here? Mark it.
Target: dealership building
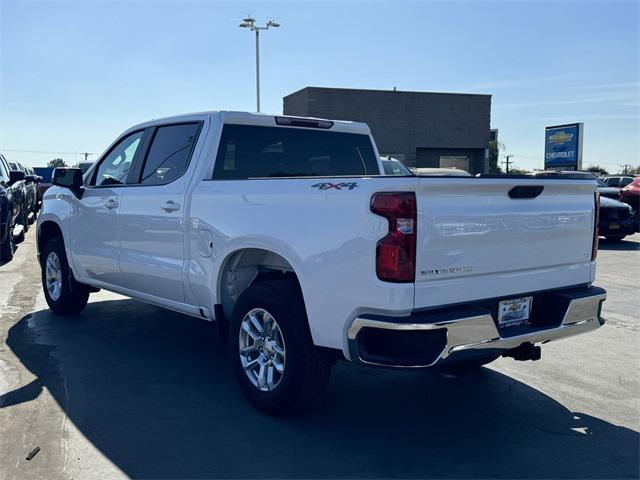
(422, 129)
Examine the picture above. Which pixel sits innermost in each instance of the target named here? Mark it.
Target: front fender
(57, 209)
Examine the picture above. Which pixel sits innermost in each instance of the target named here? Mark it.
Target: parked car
(631, 196)
(31, 190)
(304, 252)
(24, 196)
(45, 174)
(10, 208)
(617, 181)
(393, 166)
(430, 172)
(36, 181)
(84, 166)
(617, 219)
(603, 188)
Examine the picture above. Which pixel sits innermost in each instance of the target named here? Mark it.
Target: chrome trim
(480, 332)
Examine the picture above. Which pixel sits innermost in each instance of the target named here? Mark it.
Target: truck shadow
(153, 391)
(605, 244)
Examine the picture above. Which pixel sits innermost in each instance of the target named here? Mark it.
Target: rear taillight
(596, 217)
(396, 252)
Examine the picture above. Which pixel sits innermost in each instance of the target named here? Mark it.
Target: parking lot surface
(131, 390)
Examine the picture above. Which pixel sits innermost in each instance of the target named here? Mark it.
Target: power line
(507, 162)
(55, 152)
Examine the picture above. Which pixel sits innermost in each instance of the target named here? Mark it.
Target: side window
(169, 154)
(4, 172)
(114, 169)
(625, 181)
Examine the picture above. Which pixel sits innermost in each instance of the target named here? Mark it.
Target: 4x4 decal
(337, 186)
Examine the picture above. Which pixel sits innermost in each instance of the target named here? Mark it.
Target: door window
(114, 169)
(169, 154)
(625, 181)
(4, 171)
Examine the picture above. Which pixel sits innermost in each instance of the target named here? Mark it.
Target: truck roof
(262, 119)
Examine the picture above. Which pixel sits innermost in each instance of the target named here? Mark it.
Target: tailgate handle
(526, 191)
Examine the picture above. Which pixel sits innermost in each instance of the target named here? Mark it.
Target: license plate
(614, 226)
(514, 312)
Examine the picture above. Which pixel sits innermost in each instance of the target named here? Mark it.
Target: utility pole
(625, 168)
(507, 162)
(250, 23)
(86, 155)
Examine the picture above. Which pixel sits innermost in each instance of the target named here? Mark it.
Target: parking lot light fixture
(250, 23)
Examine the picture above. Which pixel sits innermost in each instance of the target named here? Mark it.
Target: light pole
(250, 23)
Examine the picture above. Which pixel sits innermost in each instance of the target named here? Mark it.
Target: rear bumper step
(446, 334)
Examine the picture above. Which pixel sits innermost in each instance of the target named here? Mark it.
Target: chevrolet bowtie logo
(560, 138)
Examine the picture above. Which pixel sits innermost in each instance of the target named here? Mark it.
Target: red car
(631, 196)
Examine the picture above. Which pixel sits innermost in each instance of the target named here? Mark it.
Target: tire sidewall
(25, 219)
(293, 325)
(8, 247)
(71, 300)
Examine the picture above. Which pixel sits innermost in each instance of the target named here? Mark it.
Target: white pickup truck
(287, 233)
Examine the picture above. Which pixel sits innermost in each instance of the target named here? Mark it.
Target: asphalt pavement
(131, 390)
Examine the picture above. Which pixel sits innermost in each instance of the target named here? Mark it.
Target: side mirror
(15, 176)
(70, 178)
(30, 178)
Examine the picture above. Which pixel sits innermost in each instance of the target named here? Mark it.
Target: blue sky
(75, 75)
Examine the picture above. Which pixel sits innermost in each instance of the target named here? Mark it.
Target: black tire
(24, 219)
(615, 238)
(468, 366)
(306, 370)
(73, 296)
(8, 247)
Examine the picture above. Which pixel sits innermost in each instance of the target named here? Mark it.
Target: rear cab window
(249, 151)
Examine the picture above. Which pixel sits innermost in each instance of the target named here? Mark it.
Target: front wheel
(63, 293)
(278, 368)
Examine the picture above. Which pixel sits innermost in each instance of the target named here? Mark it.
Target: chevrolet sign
(563, 147)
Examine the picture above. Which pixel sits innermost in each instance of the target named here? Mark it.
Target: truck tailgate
(476, 242)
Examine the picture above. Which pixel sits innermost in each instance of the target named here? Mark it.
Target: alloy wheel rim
(262, 349)
(53, 276)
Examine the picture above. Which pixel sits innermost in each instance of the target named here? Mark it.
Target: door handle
(111, 204)
(170, 206)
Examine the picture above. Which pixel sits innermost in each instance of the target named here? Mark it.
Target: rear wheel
(63, 293)
(278, 368)
(8, 247)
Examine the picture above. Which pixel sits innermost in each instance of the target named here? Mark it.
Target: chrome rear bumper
(473, 330)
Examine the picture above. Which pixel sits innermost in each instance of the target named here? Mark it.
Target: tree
(494, 151)
(598, 170)
(628, 169)
(56, 162)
